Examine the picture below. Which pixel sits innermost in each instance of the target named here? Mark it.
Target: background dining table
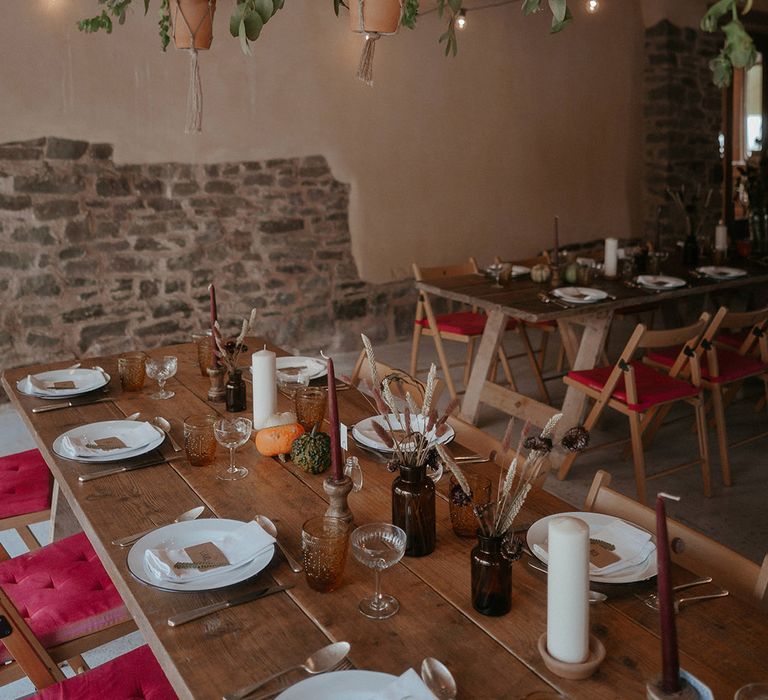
(724, 642)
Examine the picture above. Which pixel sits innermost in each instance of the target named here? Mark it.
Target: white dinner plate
(339, 685)
(658, 282)
(721, 273)
(519, 270)
(316, 368)
(87, 380)
(580, 295)
(187, 534)
(363, 431)
(538, 532)
(94, 431)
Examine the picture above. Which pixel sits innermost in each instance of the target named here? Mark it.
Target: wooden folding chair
(726, 369)
(690, 549)
(25, 493)
(638, 390)
(462, 327)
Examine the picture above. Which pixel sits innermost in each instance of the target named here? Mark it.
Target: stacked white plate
(580, 295)
(365, 434)
(339, 685)
(138, 437)
(636, 546)
(721, 273)
(317, 368)
(42, 384)
(659, 282)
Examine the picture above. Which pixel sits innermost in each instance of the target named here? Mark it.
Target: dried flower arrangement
(411, 431)
(229, 350)
(496, 518)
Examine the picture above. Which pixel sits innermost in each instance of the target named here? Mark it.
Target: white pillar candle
(568, 590)
(611, 257)
(721, 236)
(264, 387)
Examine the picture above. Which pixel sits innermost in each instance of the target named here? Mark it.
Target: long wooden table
(520, 300)
(723, 642)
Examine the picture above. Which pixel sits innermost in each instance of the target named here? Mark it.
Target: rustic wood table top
(724, 642)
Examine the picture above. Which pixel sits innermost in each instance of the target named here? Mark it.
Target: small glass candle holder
(324, 544)
(460, 505)
(200, 439)
(289, 381)
(132, 370)
(310, 405)
(204, 351)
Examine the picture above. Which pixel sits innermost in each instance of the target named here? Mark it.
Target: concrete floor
(735, 516)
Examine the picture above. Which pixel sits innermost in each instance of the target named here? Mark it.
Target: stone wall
(682, 117)
(97, 257)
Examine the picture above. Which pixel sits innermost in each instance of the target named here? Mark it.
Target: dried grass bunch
(229, 350)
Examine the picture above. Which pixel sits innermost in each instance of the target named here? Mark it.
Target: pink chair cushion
(462, 323)
(25, 484)
(132, 676)
(653, 387)
(62, 591)
(731, 365)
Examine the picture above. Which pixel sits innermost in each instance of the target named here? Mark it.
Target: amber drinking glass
(460, 505)
(310, 407)
(324, 543)
(200, 439)
(204, 351)
(132, 370)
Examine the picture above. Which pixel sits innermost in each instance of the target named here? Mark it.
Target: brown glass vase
(413, 509)
(491, 577)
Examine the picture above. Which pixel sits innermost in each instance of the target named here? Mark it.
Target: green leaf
(243, 39)
(455, 5)
(711, 19)
(236, 19)
(739, 46)
(531, 6)
(722, 70)
(277, 5)
(264, 8)
(253, 24)
(559, 26)
(336, 6)
(146, 6)
(559, 9)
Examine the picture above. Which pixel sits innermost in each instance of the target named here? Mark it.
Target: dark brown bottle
(235, 398)
(491, 577)
(413, 509)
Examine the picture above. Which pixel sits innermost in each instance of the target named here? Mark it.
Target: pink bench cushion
(132, 676)
(731, 365)
(653, 387)
(462, 323)
(25, 484)
(62, 591)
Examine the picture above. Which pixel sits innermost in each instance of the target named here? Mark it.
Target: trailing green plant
(246, 22)
(738, 49)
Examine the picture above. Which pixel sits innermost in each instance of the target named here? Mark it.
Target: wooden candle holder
(338, 491)
(653, 691)
(218, 391)
(573, 672)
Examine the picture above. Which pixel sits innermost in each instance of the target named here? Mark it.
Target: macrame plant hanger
(194, 120)
(365, 68)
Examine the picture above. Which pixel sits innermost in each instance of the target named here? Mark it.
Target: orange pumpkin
(278, 439)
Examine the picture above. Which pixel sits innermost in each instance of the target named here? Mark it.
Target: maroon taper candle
(214, 318)
(556, 250)
(670, 661)
(333, 419)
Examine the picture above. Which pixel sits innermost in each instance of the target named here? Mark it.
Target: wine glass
(162, 370)
(378, 546)
(232, 434)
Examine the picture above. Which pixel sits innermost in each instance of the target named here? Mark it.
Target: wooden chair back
(400, 382)
(757, 323)
(422, 274)
(690, 549)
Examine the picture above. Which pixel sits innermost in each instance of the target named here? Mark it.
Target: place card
(107, 443)
(63, 385)
(206, 555)
(343, 437)
(601, 554)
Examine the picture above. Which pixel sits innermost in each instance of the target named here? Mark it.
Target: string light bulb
(593, 6)
(461, 20)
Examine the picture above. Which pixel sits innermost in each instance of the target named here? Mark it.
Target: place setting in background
(580, 295)
(63, 383)
(657, 283)
(501, 273)
(108, 441)
(716, 272)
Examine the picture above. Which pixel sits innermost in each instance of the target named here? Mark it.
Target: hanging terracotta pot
(192, 17)
(379, 16)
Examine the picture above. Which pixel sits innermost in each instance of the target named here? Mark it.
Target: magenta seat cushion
(463, 323)
(731, 365)
(25, 484)
(132, 676)
(62, 591)
(653, 387)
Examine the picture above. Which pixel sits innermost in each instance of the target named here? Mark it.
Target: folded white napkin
(409, 685)
(240, 547)
(657, 282)
(134, 437)
(633, 547)
(580, 296)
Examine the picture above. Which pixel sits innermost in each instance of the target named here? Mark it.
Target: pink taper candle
(556, 249)
(333, 419)
(670, 669)
(214, 318)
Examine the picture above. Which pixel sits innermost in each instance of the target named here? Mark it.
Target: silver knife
(183, 618)
(68, 404)
(118, 470)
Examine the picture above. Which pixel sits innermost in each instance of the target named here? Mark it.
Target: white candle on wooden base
(264, 387)
(610, 261)
(568, 590)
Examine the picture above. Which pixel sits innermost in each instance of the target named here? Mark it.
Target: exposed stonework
(682, 117)
(98, 258)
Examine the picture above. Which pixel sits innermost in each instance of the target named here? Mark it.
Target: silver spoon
(165, 426)
(438, 678)
(322, 660)
(133, 416)
(130, 539)
(271, 529)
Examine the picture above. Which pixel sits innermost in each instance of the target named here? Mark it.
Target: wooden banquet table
(519, 300)
(723, 642)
